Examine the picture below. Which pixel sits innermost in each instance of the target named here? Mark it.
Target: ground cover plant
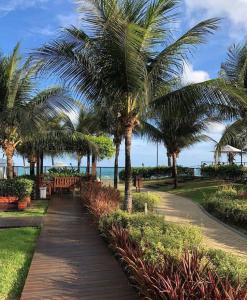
(229, 203)
(16, 251)
(139, 199)
(163, 260)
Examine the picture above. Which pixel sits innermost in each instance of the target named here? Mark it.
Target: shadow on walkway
(71, 260)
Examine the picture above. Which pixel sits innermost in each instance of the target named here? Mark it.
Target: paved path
(217, 235)
(71, 260)
(12, 222)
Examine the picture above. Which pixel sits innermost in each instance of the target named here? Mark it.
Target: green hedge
(63, 172)
(160, 236)
(224, 171)
(19, 187)
(148, 172)
(228, 205)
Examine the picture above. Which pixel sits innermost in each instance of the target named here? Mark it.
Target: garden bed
(163, 260)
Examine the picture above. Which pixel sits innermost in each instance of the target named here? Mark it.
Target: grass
(16, 251)
(196, 190)
(37, 209)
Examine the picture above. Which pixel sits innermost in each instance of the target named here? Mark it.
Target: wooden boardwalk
(71, 260)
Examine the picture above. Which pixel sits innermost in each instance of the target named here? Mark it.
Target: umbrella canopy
(230, 149)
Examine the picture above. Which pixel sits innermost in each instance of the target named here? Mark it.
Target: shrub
(227, 205)
(228, 265)
(147, 173)
(19, 187)
(100, 200)
(139, 200)
(155, 236)
(224, 171)
(186, 278)
(62, 172)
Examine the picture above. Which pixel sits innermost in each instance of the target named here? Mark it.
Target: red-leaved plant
(98, 199)
(189, 278)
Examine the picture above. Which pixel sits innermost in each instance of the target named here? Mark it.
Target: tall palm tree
(176, 132)
(21, 109)
(120, 56)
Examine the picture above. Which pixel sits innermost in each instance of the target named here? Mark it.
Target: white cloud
(193, 76)
(68, 20)
(216, 128)
(47, 31)
(11, 5)
(234, 10)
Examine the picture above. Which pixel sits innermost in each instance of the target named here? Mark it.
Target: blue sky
(33, 22)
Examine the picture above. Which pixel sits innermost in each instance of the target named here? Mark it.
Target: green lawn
(16, 251)
(196, 190)
(38, 208)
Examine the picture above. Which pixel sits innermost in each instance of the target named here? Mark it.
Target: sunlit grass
(37, 209)
(16, 251)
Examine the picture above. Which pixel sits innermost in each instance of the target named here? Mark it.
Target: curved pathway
(216, 235)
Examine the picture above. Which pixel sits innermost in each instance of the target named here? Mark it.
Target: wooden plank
(71, 260)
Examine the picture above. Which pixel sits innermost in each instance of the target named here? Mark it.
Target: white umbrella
(230, 149)
(59, 165)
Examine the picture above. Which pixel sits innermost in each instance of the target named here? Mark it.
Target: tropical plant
(22, 111)
(115, 60)
(234, 72)
(176, 131)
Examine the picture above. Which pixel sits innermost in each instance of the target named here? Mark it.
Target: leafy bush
(139, 200)
(147, 173)
(228, 265)
(19, 187)
(100, 200)
(227, 204)
(56, 172)
(155, 236)
(224, 171)
(188, 277)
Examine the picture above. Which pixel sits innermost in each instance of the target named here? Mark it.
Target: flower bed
(163, 260)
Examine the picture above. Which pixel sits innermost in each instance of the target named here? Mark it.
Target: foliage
(155, 236)
(19, 187)
(63, 172)
(104, 146)
(148, 172)
(17, 247)
(186, 278)
(139, 200)
(99, 200)
(228, 265)
(228, 205)
(224, 171)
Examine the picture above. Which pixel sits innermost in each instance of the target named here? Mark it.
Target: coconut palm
(121, 55)
(176, 132)
(22, 111)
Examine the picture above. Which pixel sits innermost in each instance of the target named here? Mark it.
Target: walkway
(71, 260)
(16, 222)
(217, 235)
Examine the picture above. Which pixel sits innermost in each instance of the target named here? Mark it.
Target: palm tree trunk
(38, 165)
(128, 172)
(41, 162)
(9, 150)
(88, 163)
(116, 165)
(169, 160)
(94, 165)
(32, 168)
(52, 160)
(24, 164)
(174, 168)
(78, 163)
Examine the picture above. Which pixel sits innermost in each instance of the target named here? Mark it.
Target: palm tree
(21, 110)
(115, 60)
(176, 132)
(234, 72)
